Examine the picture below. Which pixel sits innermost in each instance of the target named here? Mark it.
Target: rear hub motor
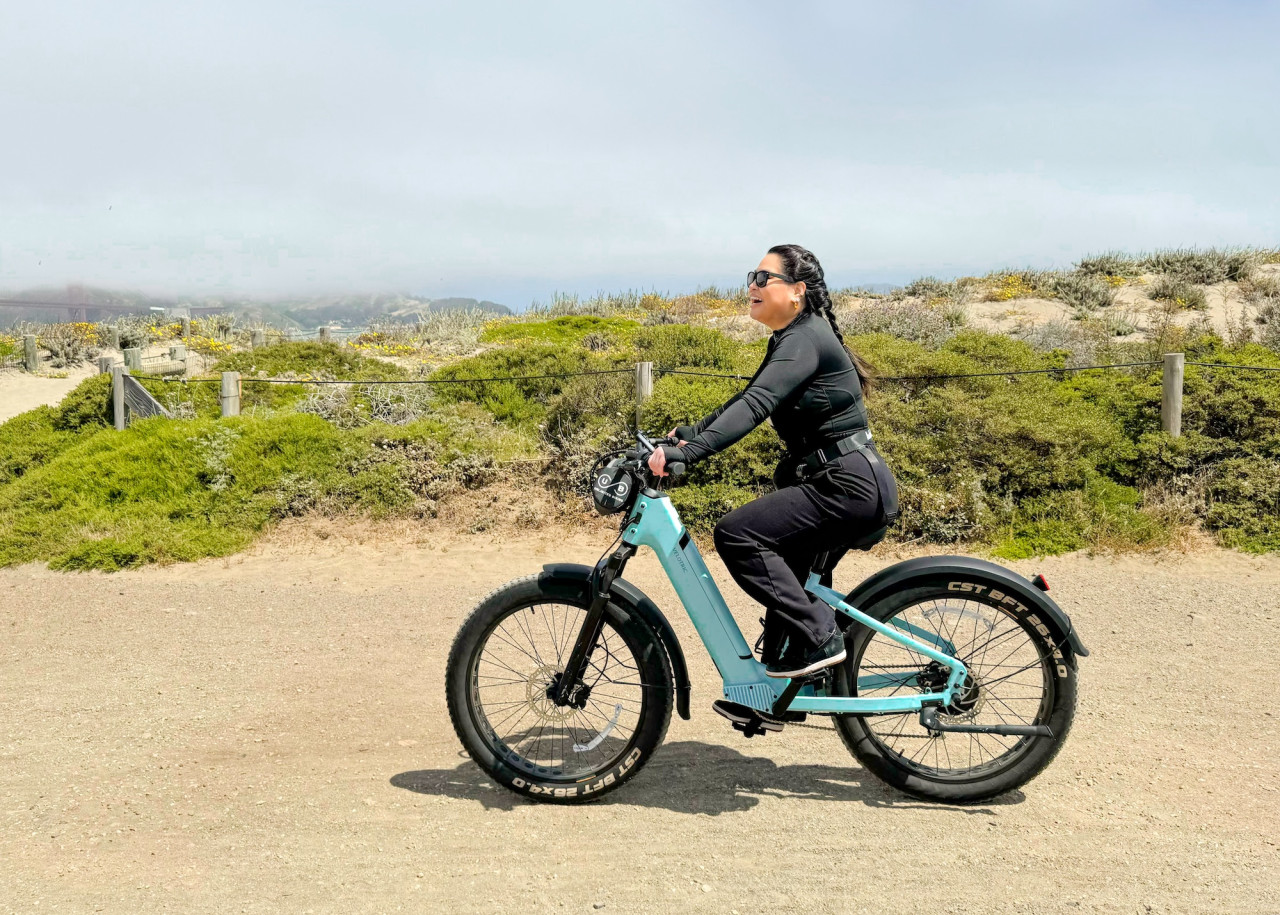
(966, 700)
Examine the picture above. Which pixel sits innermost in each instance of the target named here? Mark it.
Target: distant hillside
(357, 310)
(348, 311)
(85, 296)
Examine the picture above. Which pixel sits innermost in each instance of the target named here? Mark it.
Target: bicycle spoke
(525, 652)
(1002, 657)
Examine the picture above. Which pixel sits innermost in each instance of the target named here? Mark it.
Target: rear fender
(967, 576)
(577, 578)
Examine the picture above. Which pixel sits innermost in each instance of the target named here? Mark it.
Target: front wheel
(502, 672)
(1014, 679)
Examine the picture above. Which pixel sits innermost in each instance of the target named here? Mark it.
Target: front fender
(967, 573)
(633, 600)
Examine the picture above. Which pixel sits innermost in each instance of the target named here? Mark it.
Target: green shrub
(1102, 512)
(1110, 263)
(308, 360)
(1177, 291)
(603, 407)
(1083, 292)
(1240, 407)
(685, 346)
(908, 320)
(602, 304)
(524, 401)
(1244, 503)
(563, 330)
(87, 404)
(168, 490)
(30, 440)
(1006, 285)
(1205, 267)
(701, 507)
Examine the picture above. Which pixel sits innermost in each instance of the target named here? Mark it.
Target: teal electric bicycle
(959, 682)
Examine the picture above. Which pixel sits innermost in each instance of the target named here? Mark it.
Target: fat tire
(645, 645)
(858, 739)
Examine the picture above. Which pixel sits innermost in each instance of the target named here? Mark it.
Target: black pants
(770, 544)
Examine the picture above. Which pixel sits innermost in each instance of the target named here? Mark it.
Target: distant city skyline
(506, 152)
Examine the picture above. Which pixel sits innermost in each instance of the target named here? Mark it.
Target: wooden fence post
(104, 364)
(186, 328)
(113, 337)
(324, 335)
(230, 395)
(30, 354)
(644, 387)
(117, 394)
(1171, 396)
(178, 356)
(133, 359)
(257, 339)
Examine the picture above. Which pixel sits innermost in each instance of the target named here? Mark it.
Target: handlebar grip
(675, 468)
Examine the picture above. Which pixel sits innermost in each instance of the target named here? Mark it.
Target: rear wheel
(503, 669)
(1014, 678)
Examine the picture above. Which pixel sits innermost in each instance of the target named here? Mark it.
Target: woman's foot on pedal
(828, 654)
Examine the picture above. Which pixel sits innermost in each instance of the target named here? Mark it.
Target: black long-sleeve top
(806, 384)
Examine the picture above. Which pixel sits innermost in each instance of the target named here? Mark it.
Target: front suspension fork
(601, 581)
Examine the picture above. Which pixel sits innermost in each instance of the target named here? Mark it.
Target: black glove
(674, 453)
(676, 461)
(685, 433)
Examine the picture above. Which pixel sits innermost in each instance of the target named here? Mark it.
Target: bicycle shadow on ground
(694, 777)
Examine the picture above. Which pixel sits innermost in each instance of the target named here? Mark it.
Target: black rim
(515, 664)
(1012, 683)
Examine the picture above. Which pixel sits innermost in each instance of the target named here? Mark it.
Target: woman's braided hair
(802, 266)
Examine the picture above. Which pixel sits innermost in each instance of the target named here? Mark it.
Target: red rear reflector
(1040, 582)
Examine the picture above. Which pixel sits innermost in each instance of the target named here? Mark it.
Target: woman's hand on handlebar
(658, 460)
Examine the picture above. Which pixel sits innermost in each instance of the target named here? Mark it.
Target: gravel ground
(268, 733)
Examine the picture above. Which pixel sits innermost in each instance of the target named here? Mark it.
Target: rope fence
(231, 383)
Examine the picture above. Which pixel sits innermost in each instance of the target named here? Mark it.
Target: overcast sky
(504, 151)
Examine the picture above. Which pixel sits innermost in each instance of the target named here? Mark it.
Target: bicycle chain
(820, 727)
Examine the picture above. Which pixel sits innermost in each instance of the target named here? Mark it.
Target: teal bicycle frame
(653, 522)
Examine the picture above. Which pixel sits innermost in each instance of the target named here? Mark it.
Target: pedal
(749, 721)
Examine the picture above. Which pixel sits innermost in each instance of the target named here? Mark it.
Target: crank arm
(929, 720)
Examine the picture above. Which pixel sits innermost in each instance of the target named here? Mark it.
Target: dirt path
(269, 734)
(21, 391)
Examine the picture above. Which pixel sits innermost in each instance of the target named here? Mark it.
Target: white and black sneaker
(828, 654)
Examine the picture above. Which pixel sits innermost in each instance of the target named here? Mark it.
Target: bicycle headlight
(611, 487)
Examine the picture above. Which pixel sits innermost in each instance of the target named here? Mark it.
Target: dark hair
(802, 266)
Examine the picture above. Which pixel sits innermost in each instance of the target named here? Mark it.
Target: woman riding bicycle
(833, 488)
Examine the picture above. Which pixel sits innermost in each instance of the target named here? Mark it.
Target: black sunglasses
(761, 277)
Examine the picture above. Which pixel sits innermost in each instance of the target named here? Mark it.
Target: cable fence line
(627, 371)
(1173, 377)
(1228, 365)
(1078, 368)
(684, 372)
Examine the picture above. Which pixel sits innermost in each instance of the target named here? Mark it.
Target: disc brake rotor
(536, 694)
